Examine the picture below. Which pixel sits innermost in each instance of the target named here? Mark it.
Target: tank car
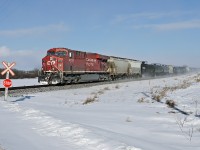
(62, 65)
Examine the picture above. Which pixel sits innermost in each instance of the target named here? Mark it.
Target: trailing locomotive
(63, 65)
(158, 69)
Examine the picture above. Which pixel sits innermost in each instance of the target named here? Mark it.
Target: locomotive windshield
(59, 53)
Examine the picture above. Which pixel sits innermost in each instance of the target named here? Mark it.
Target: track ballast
(22, 90)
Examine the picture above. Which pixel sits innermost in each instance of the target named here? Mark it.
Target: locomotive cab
(53, 62)
(52, 66)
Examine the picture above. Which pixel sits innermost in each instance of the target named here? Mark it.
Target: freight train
(63, 65)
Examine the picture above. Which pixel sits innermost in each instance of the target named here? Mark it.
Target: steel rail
(25, 87)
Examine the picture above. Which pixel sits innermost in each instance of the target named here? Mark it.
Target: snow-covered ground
(21, 82)
(121, 116)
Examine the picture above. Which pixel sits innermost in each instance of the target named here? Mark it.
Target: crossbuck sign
(8, 68)
(7, 82)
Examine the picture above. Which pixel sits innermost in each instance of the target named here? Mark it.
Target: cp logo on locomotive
(51, 62)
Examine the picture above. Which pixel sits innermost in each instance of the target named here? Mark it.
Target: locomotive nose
(52, 63)
(49, 63)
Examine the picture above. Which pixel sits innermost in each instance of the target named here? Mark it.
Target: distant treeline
(20, 74)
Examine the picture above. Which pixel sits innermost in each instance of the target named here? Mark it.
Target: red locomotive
(63, 65)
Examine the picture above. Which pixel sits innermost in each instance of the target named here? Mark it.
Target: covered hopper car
(123, 67)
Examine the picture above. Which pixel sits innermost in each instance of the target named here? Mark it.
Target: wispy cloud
(192, 24)
(149, 16)
(160, 21)
(35, 30)
(4, 51)
(25, 59)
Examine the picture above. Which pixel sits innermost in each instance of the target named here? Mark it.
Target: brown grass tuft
(117, 86)
(90, 100)
(156, 97)
(141, 100)
(100, 92)
(170, 103)
(106, 88)
(198, 80)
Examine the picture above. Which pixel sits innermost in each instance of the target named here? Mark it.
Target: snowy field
(123, 116)
(21, 82)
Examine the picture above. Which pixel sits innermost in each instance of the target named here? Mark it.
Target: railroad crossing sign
(8, 68)
(7, 83)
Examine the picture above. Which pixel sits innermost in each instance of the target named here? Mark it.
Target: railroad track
(21, 90)
(25, 87)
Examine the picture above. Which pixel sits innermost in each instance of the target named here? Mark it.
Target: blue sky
(157, 31)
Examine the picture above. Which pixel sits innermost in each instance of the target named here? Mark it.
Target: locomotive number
(89, 64)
